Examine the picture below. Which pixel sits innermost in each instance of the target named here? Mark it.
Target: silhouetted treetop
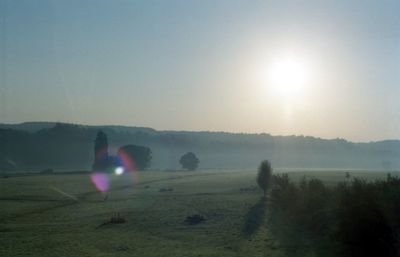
(264, 176)
(189, 161)
(135, 157)
(101, 158)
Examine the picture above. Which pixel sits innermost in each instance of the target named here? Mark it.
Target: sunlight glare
(289, 76)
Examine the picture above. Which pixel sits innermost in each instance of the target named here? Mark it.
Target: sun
(288, 75)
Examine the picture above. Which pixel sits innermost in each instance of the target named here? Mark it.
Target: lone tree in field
(101, 158)
(264, 176)
(189, 161)
(135, 157)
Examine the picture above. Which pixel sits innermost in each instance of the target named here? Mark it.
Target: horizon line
(203, 131)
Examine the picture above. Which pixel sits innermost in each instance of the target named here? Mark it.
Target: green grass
(37, 220)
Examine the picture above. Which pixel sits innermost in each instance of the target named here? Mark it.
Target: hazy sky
(204, 65)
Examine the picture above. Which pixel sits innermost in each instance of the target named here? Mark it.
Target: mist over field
(36, 146)
(199, 128)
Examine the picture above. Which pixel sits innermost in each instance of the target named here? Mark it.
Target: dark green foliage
(101, 143)
(189, 161)
(101, 158)
(264, 176)
(63, 146)
(15, 148)
(139, 155)
(36, 146)
(368, 218)
(298, 214)
(352, 219)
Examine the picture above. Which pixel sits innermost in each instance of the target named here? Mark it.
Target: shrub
(350, 219)
(366, 215)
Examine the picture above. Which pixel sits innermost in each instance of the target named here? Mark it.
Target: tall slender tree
(100, 151)
(264, 176)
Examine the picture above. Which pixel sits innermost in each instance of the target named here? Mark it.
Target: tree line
(131, 157)
(70, 147)
(353, 218)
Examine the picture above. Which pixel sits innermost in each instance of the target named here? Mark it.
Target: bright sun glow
(119, 171)
(289, 76)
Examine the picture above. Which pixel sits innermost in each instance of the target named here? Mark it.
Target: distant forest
(39, 145)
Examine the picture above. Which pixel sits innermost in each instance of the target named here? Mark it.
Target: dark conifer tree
(100, 151)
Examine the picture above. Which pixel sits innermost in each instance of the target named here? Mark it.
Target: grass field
(64, 215)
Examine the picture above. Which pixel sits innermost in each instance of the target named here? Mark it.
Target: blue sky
(195, 65)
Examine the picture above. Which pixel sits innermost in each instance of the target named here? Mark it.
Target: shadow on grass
(254, 218)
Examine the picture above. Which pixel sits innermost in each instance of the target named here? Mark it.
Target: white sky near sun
(321, 68)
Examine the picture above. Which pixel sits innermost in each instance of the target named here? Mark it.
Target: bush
(366, 216)
(351, 219)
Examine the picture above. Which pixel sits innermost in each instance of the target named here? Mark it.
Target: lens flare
(119, 171)
(126, 161)
(100, 181)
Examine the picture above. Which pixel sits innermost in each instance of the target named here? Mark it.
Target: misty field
(64, 215)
